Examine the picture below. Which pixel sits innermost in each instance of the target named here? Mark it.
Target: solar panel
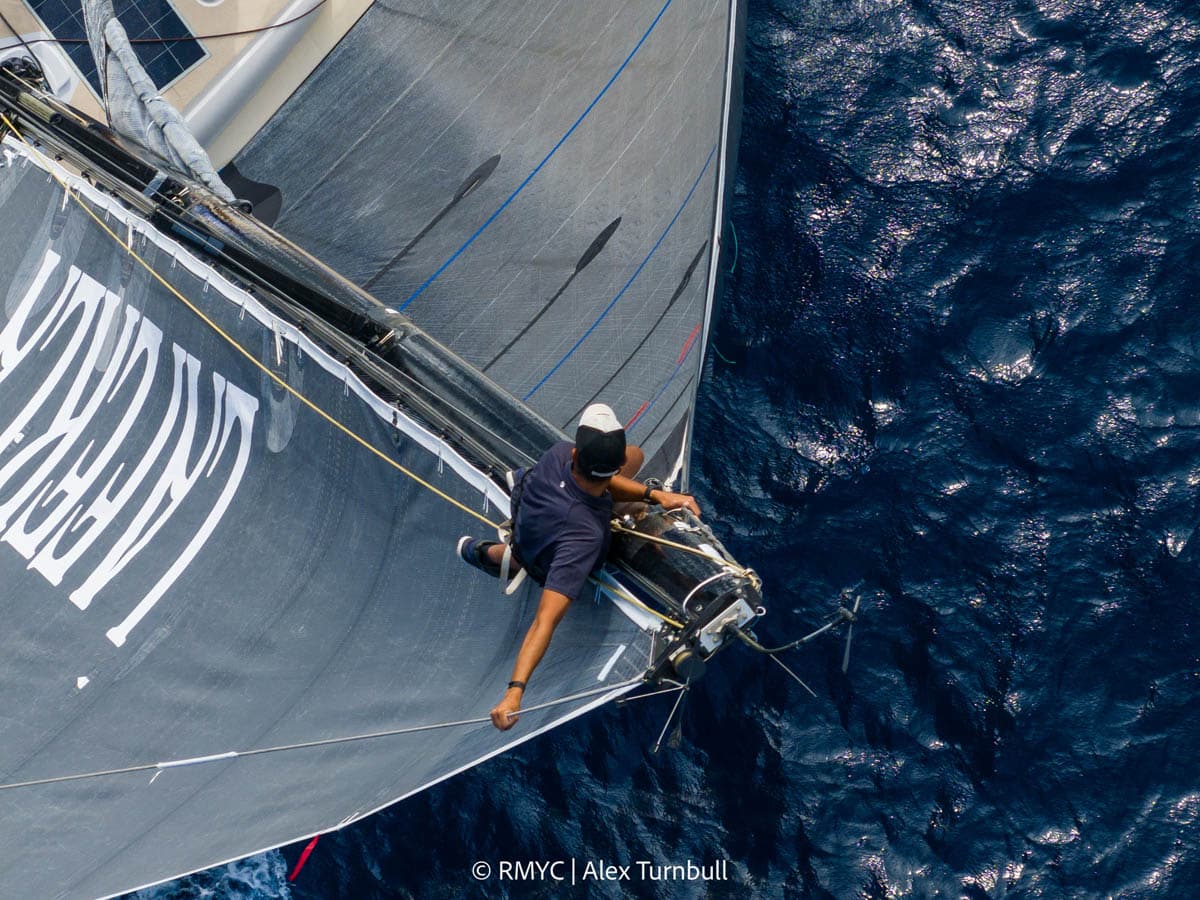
(144, 20)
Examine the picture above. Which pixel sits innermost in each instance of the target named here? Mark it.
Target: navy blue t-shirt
(561, 531)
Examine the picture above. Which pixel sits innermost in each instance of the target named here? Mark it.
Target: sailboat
(240, 433)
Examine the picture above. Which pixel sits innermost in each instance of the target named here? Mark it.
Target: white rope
(303, 745)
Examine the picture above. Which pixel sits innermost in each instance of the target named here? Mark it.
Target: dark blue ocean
(959, 372)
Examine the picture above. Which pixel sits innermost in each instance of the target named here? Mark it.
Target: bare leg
(495, 554)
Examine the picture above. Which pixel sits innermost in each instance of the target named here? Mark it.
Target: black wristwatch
(652, 485)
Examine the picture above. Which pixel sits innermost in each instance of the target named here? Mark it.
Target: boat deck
(255, 56)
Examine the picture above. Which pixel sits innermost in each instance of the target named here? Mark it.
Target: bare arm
(626, 490)
(550, 611)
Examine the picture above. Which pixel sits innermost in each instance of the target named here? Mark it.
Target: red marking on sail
(304, 857)
(688, 345)
(637, 415)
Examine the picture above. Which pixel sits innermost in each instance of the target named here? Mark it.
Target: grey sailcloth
(135, 108)
(194, 562)
(537, 184)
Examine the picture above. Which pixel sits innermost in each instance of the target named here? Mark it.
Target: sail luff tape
(195, 760)
(367, 445)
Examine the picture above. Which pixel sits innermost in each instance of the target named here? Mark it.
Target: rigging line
(733, 268)
(670, 690)
(306, 745)
(771, 651)
(253, 358)
(182, 38)
(17, 35)
(670, 716)
(793, 674)
(654, 539)
(562, 140)
(632, 278)
(629, 598)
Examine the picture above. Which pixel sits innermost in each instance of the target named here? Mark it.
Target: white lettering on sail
(239, 407)
(76, 483)
(70, 514)
(90, 297)
(12, 351)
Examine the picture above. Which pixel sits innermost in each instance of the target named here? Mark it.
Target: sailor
(562, 509)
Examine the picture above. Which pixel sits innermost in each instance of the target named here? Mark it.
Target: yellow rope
(618, 528)
(242, 350)
(57, 107)
(629, 598)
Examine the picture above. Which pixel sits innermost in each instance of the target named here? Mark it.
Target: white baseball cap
(600, 442)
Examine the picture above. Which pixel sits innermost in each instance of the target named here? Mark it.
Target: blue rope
(733, 268)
